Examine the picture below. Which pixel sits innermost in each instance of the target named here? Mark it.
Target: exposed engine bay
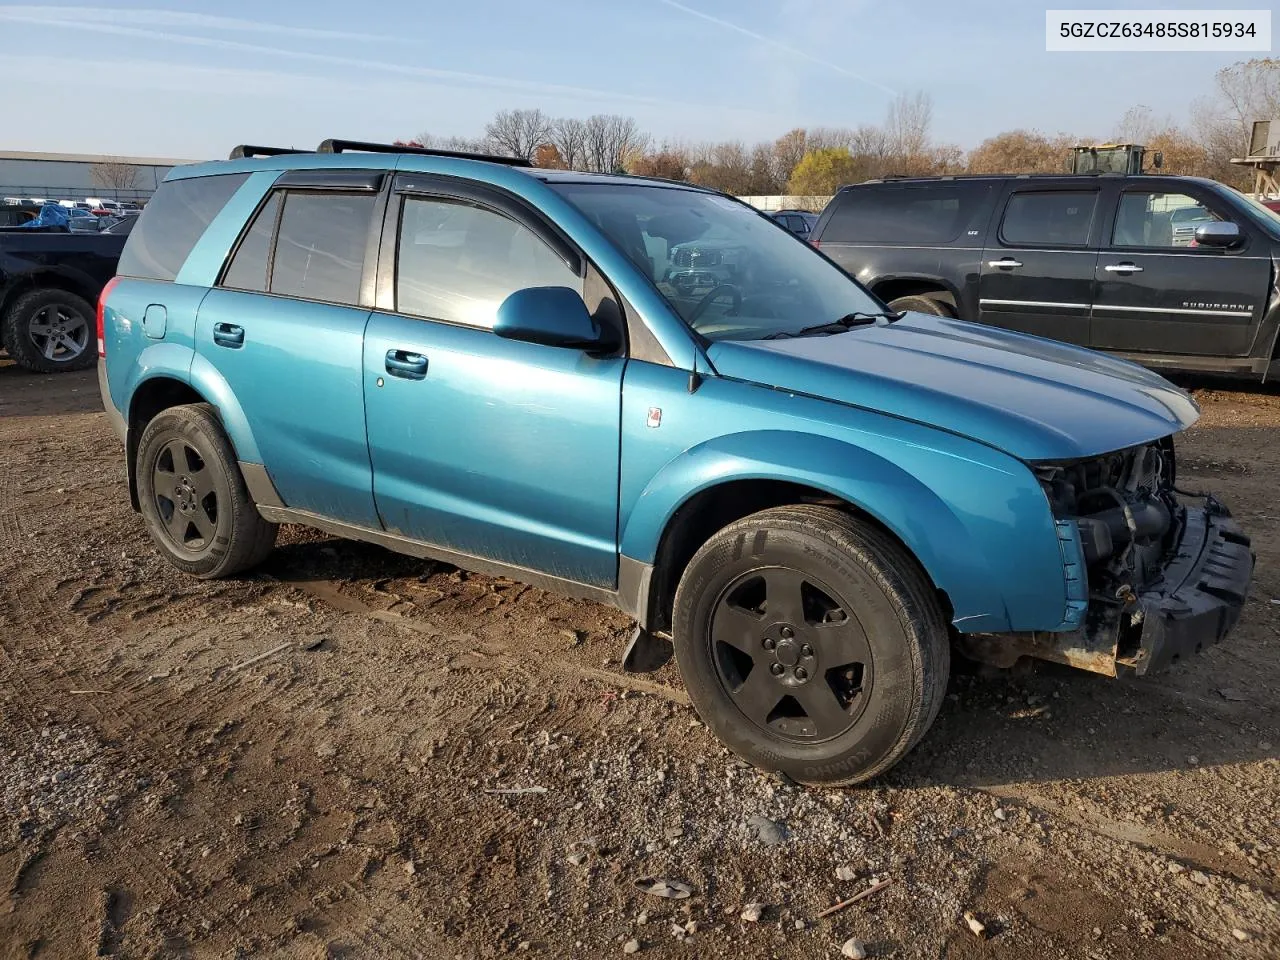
(1165, 576)
(1126, 512)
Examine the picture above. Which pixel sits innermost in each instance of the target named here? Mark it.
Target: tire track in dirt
(46, 675)
(486, 654)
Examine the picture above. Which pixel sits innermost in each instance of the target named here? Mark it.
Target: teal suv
(651, 395)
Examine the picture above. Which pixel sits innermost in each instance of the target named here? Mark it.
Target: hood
(1035, 399)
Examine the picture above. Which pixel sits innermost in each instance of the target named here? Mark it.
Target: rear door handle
(228, 335)
(406, 364)
(1122, 268)
(1008, 263)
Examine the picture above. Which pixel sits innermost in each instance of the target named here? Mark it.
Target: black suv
(799, 222)
(1175, 272)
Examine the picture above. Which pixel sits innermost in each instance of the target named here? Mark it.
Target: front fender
(980, 528)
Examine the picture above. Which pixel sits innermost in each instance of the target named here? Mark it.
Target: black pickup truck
(49, 286)
(1173, 272)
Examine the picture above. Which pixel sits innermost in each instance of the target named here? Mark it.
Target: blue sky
(175, 79)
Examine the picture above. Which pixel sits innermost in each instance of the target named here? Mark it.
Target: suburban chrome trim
(1198, 313)
(428, 551)
(1032, 303)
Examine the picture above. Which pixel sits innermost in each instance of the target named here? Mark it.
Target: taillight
(816, 243)
(102, 307)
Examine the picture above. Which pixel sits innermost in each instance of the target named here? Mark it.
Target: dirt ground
(307, 762)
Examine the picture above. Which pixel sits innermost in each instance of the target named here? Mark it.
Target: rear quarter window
(172, 224)
(935, 213)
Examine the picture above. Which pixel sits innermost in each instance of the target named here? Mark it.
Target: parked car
(1174, 272)
(13, 214)
(799, 222)
(49, 281)
(809, 494)
(120, 226)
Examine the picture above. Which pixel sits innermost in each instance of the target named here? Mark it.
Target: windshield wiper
(847, 322)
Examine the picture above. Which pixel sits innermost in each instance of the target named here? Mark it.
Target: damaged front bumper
(1196, 603)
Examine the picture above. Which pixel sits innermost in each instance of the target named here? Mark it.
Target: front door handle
(228, 335)
(406, 364)
(1122, 268)
(1008, 263)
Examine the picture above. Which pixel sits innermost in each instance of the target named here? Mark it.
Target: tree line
(817, 161)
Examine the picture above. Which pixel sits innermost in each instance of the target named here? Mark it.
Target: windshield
(728, 271)
(1268, 217)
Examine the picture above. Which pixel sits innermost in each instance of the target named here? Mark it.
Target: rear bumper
(113, 415)
(1202, 595)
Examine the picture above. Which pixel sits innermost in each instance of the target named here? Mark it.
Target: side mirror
(1220, 233)
(1157, 159)
(551, 316)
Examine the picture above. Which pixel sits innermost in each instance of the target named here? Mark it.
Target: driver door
(491, 448)
(1157, 291)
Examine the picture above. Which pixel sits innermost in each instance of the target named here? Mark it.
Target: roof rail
(248, 150)
(342, 146)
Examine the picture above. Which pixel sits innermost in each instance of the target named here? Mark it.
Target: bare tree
(1251, 90)
(612, 142)
(569, 136)
(113, 173)
(788, 151)
(908, 123)
(1139, 124)
(519, 132)
(457, 144)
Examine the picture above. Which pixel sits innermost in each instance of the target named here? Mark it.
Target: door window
(458, 262)
(1150, 219)
(1059, 218)
(248, 269)
(320, 248)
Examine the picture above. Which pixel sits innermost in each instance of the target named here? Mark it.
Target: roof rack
(342, 146)
(248, 150)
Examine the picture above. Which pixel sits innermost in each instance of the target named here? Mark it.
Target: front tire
(49, 331)
(812, 644)
(193, 497)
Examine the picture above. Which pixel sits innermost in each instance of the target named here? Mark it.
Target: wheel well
(711, 510)
(42, 281)
(893, 289)
(151, 398)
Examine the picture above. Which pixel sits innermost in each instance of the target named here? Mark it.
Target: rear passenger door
(488, 447)
(285, 328)
(1037, 266)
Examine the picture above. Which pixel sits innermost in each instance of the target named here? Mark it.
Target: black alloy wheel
(791, 655)
(186, 498)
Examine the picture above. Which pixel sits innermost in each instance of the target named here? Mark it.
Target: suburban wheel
(921, 305)
(50, 331)
(812, 644)
(193, 497)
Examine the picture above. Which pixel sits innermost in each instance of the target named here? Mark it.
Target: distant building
(73, 176)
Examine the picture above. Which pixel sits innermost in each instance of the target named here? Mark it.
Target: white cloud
(779, 45)
(455, 77)
(178, 19)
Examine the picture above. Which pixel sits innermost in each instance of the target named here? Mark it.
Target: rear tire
(812, 644)
(193, 496)
(48, 330)
(921, 304)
